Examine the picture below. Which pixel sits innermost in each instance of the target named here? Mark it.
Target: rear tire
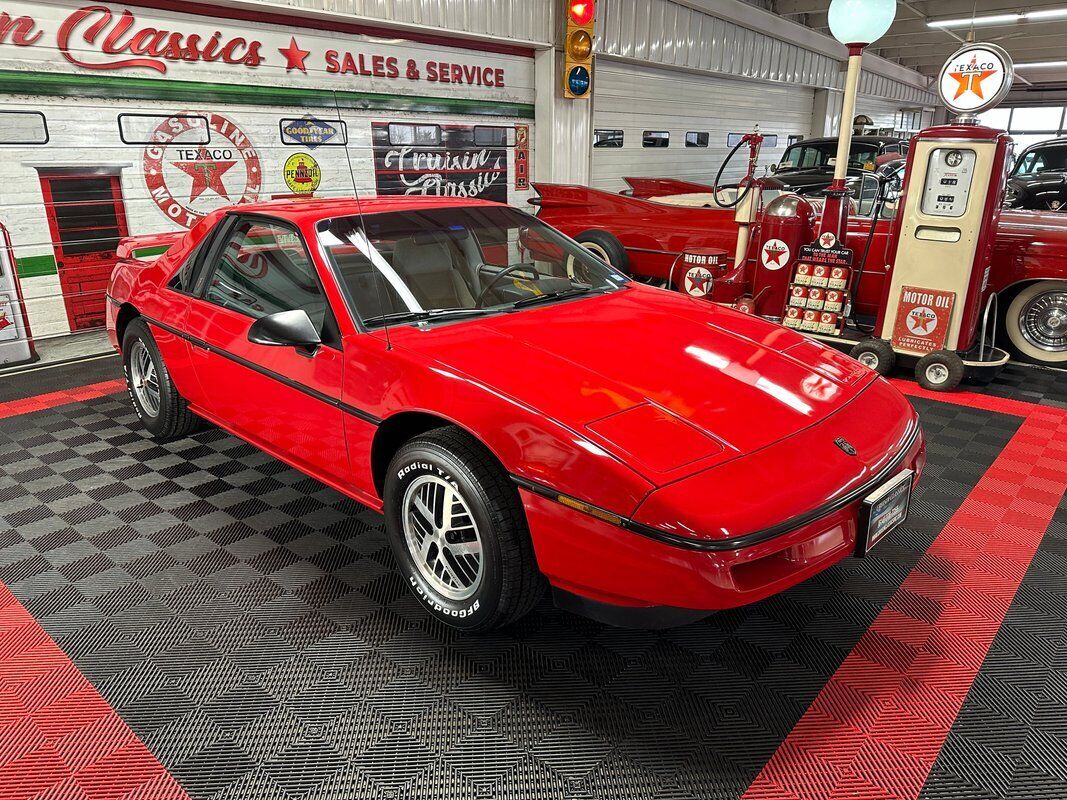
(456, 525)
(939, 372)
(605, 247)
(876, 354)
(160, 408)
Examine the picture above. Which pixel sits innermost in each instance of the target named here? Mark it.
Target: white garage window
(142, 128)
(697, 139)
(23, 128)
(421, 135)
(607, 138)
(494, 136)
(656, 139)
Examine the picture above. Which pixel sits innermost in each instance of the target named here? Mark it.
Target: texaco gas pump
(937, 304)
(16, 346)
(937, 312)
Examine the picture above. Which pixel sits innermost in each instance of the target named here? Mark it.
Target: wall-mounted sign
(187, 180)
(455, 168)
(302, 173)
(312, 133)
(923, 318)
(522, 157)
(976, 78)
(106, 38)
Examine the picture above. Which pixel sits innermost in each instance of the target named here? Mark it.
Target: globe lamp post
(856, 24)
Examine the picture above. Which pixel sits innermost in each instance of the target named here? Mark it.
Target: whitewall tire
(1036, 323)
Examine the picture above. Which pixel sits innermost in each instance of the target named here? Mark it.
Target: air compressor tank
(788, 224)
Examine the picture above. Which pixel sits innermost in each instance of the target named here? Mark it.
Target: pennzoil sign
(187, 179)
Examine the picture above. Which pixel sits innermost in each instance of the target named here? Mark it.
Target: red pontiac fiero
(521, 412)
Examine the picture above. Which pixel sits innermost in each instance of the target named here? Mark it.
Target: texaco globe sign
(191, 171)
(976, 78)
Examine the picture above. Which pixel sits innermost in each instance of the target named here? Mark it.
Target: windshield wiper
(549, 296)
(433, 313)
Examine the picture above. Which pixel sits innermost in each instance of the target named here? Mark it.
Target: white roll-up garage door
(634, 99)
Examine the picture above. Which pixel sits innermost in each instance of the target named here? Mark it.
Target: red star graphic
(4, 321)
(970, 82)
(206, 174)
(923, 322)
(294, 56)
(773, 254)
(700, 282)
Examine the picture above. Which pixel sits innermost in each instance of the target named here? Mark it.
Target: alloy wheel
(442, 537)
(144, 381)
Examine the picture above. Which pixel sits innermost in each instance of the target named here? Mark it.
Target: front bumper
(606, 570)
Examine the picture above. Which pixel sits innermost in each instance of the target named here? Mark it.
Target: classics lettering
(148, 48)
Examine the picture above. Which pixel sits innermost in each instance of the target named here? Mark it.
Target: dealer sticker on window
(883, 510)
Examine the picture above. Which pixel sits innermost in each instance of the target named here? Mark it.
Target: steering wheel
(741, 195)
(499, 277)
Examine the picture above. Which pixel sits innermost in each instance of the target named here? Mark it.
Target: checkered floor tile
(247, 624)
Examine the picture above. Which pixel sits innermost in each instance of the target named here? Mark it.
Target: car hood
(666, 383)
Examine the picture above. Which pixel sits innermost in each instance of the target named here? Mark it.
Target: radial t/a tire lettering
(458, 531)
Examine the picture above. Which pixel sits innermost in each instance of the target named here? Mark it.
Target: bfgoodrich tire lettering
(162, 411)
(446, 468)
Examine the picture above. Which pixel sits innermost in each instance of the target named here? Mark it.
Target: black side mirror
(285, 329)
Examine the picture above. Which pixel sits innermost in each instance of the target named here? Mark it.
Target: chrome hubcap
(937, 373)
(442, 537)
(143, 379)
(1043, 322)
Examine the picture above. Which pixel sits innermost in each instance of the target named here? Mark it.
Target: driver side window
(264, 268)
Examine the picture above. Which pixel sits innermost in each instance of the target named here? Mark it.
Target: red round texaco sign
(191, 170)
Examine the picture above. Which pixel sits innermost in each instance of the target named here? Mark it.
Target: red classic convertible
(521, 412)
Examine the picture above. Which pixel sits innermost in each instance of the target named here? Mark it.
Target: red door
(87, 218)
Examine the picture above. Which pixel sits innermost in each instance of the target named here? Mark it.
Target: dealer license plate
(883, 510)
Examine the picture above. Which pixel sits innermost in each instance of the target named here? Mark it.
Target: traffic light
(578, 48)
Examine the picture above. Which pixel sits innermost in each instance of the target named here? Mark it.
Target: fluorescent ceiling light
(997, 19)
(1038, 64)
(963, 22)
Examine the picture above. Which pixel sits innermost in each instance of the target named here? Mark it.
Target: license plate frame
(883, 510)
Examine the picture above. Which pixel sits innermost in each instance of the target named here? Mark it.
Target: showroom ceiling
(924, 34)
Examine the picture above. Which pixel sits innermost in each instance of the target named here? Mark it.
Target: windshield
(815, 156)
(1043, 159)
(457, 262)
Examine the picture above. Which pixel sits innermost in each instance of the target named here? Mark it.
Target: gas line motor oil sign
(923, 318)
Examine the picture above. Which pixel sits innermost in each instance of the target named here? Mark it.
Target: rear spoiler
(146, 248)
(644, 188)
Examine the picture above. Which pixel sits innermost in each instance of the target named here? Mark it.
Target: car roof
(314, 209)
(1057, 142)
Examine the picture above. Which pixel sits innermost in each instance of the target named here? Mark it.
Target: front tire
(876, 354)
(941, 371)
(458, 531)
(1036, 323)
(160, 408)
